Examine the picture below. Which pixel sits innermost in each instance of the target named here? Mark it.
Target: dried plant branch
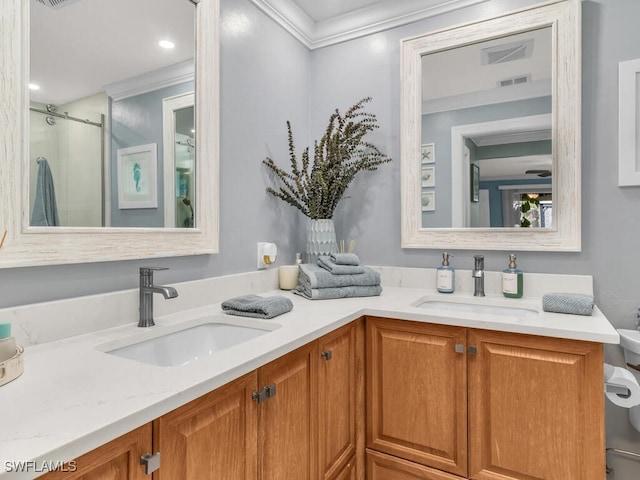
(317, 188)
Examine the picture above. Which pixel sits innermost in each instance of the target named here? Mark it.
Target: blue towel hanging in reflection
(45, 210)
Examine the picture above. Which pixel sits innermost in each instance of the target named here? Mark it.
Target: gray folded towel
(325, 262)
(257, 306)
(345, 259)
(314, 276)
(573, 303)
(339, 292)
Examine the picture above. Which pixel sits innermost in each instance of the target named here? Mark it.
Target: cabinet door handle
(151, 462)
(459, 348)
(264, 394)
(270, 390)
(260, 396)
(473, 350)
(326, 355)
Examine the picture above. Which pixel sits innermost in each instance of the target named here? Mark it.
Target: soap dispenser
(446, 275)
(512, 279)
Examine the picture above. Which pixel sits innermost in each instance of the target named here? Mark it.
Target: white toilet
(630, 342)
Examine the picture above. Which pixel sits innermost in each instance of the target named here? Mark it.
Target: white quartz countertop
(73, 397)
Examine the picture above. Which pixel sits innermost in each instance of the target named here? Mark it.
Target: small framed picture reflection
(428, 201)
(428, 153)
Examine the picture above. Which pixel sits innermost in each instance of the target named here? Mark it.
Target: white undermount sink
(189, 344)
(479, 305)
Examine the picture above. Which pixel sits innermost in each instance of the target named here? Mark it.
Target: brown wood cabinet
(297, 418)
(416, 393)
(117, 460)
(535, 404)
(287, 421)
(381, 466)
(536, 408)
(340, 401)
(442, 403)
(215, 436)
(349, 472)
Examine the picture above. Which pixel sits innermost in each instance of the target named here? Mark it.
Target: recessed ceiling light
(33, 86)
(168, 44)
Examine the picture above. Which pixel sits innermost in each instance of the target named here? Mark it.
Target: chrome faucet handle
(150, 270)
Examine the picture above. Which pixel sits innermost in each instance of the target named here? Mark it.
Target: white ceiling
(328, 9)
(80, 48)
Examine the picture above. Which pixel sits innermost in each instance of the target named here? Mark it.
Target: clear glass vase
(321, 239)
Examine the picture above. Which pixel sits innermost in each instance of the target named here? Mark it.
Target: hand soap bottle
(512, 279)
(446, 275)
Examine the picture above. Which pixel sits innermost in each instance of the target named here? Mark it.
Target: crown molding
(359, 23)
(148, 82)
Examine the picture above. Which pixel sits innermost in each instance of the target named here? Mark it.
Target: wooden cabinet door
(340, 396)
(535, 408)
(387, 467)
(416, 392)
(349, 472)
(212, 437)
(116, 460)
(287, 421)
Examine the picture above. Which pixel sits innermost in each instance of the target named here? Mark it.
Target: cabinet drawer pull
(459, 348)
(326, 355)
(151, 462)
(472, 350)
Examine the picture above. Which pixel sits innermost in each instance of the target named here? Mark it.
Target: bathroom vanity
(448, 394)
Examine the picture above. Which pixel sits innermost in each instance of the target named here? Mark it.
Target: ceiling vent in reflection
(517, 80)
(507, 52)
(57, 3)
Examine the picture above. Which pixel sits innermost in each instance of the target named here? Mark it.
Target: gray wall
(138, 121)
(268, 78)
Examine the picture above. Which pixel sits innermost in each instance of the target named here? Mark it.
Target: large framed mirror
(490, 133)
(103, 158)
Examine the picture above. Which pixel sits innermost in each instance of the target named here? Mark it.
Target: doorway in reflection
(185, 168)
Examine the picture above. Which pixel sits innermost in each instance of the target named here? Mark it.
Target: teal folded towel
(345, 258)
(339, 292)
(572, 303)
(314, 276)
(257, 306)
(337, 269)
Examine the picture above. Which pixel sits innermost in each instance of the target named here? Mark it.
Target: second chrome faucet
(147, 289)
(478, 276)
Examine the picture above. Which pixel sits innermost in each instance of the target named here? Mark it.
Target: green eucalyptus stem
(316, 187)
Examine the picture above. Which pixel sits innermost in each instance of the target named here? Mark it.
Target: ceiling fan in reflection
(540, 173)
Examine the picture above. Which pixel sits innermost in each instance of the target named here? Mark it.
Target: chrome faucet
(147, 289)
(478, 276)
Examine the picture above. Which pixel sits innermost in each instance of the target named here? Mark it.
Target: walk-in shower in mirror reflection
(101, 73)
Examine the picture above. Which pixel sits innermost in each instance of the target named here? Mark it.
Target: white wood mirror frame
(25, 245)
(564, 18)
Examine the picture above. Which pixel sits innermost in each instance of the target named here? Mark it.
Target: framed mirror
(111, 132)
(494, 108)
